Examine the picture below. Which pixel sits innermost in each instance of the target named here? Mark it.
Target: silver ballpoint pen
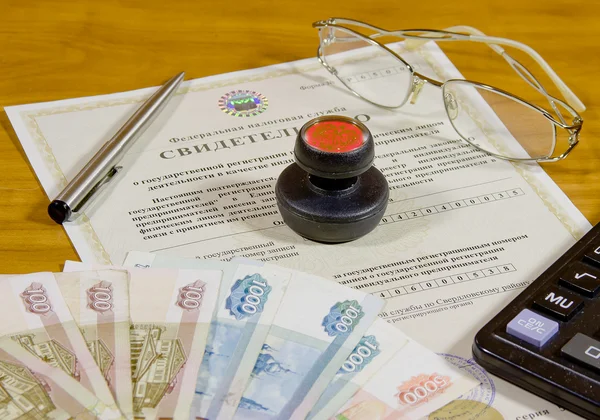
(103, 166)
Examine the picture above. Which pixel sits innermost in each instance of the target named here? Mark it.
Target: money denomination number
(101, 298)
(358, 357)
(347, 320)
(252, 299)
(191, 297)
(37, 301)
(424, 390)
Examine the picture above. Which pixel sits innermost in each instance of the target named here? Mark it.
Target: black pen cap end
(59, 211)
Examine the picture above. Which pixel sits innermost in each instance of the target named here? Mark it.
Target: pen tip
(174, 81)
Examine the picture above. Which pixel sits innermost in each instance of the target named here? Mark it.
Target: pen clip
(104, 181)
(61, 212)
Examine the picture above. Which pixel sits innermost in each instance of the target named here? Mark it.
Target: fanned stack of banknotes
(169, 338)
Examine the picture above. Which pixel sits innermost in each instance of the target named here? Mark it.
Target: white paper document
(462, 235)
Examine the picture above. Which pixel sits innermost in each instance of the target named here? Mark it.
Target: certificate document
(463, 232)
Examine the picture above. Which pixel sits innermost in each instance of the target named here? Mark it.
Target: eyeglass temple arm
(494, 43)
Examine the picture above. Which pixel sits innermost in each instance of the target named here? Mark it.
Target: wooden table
(57, 49)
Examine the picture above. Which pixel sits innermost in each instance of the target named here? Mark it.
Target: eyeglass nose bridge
(574, 132)
(417, 86)
(418, 82)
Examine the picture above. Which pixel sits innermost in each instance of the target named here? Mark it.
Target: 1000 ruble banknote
(317, 326)
(381, 342)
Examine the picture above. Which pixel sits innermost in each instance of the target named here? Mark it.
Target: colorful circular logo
(243, 103)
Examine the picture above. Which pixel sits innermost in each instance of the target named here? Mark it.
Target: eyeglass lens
(366, 68)
(492, 120)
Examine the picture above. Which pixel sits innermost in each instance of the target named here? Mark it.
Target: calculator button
(583, 349)
(532, 327)
(582, 278)
(561, 304)
(592, 256)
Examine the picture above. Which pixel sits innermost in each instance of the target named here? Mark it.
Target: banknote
(38, 319)
(248, 302)
(381, 342)
(171, 312)
(99, 303)
(409, 386)
(316, 327)
(33, 389)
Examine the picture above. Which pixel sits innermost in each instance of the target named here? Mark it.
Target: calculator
(547, 340)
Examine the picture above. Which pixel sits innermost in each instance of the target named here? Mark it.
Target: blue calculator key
(532, 328)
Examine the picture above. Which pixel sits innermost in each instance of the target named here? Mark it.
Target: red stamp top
(334, 136)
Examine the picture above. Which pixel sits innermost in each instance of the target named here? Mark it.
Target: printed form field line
(213, 237)
(445, 281)
(450, 303)
(451, 205)
(451, 189)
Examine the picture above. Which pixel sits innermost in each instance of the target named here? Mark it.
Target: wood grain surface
(58, 49)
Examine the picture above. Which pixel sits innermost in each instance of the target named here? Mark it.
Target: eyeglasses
(377, 74)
